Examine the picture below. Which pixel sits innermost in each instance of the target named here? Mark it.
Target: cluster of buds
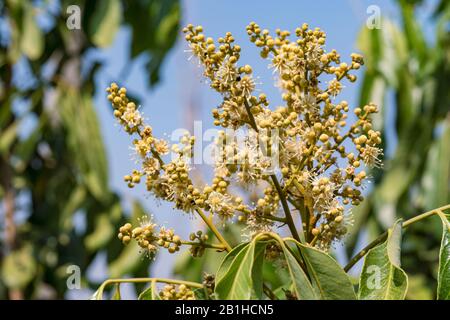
(149, 238)
(198, 246)
(308, 142)
(176, 292)
(311, 127)
(209, 283)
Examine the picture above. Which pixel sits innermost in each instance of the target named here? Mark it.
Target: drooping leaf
(8, 136)
(154, 27)
(72, 204)
(105, 22)
(329, 280)
(227, 261)
(443, 290)
(240, 275)
(301, 286)
(381, 276)
(32, 38)
(85, 141)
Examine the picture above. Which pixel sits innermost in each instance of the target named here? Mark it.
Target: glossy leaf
(32, 39)
(329, 280)
(240, 275)
(105, 22)
(8, 136)
(381, 276)
(443, 291)
(301, 286)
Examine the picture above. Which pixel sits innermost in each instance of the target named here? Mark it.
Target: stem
(363, 252)
(444, 219)
(314, 240)
(140, 280)
(213, 228)
(204, 245)
(274, 218)
(289, 220)
(250, 116)
(384, 235)
(269, 293)
(282, 243)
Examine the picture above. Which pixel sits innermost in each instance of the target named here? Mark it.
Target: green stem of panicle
(213, 228)
(276, 183)
(144, 280)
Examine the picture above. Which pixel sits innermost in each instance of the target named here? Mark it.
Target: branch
(384, 235)
(284, 204)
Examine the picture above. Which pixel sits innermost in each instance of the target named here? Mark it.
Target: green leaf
(151, 293)
(32, 38)
(381, 277)
(240, 275)
(8, 136)
(116, 295)
(443, 290)
(301, 286)
(154, 27)
(329, 280)
(102, 233)
(19, 268)
(227, 261)
(201, 294)
(105, 22)
(73, 203)
(85, 141)
(437, 173)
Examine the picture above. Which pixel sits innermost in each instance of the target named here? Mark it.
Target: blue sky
(182, 97)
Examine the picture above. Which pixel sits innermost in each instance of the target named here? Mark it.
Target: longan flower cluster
(167, 181)
(321, 155)
(149, 238)
(303, 156)
(174, 292)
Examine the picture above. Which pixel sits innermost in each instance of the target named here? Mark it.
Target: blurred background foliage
(60, 167)
(58, 170)
(412, 67)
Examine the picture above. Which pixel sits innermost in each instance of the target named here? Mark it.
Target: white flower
(370, 156)
(220, 204)
(132, 117)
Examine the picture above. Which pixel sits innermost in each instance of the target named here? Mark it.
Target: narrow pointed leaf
(242, 279)
(329, 280)
(443, 291)
(381, 277)
(301, 286)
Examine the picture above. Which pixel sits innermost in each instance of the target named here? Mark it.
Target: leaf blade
(389, 281)
(443, 290)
